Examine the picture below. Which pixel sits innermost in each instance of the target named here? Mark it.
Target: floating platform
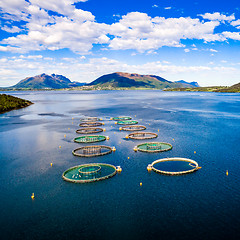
(92, 151)
(174, 166)
(90, 119)
(90, 124)
(90, 139)
(121, 118)
(142, 135)
(127, 122)
(153, 147)
(89, 173)
(133, 128)
(89, 130)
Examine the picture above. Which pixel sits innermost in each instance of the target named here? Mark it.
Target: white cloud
(213, 50)
(13, 29)
(186, 50)
(217, 16)
(168, 8)
(89, 70)
(155, 6)
(78, 30)
(235, 23)
(232, 35)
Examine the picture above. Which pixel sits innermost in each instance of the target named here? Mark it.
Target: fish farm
(153, 147)
(89, 130)
(142, 135)
(90, 119)
(89, 173)
(90, 124)
(174, 166)
(133, 128)
(92, 151)
(127, 122)
(121, 118)
(90, 139)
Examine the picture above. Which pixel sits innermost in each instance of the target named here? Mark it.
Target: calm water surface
(202, 205)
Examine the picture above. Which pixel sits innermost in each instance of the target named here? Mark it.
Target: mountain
(188, 84)
(45, 81)
(233, 89)
(128, 80)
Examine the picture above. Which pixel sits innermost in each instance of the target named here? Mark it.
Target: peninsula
(8, 103)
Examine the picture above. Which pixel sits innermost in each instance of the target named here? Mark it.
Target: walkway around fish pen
(142, 135)
(92, 151)
(196, 167)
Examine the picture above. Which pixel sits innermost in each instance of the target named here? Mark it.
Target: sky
(85, 39)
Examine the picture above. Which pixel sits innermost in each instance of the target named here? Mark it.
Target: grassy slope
(8, 103)
(208, 89)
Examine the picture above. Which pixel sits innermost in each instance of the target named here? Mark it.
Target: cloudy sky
(84, 39)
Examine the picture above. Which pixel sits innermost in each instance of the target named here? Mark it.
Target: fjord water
(201, 205)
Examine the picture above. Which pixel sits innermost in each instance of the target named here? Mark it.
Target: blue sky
(189, 40)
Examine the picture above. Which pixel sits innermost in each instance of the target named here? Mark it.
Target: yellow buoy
(135, 149)
(59, 146)
(72, 118)
(100, 119)
(173, 139)
(107, 137)
(72, 122)
(110, 118)
(104, 130)
(140, 183)
(149, 168)
(32, 196)
(126, 137)
(128, 157)
(51, 164)
(135, 115)
(149, 124)
(227, 172)
(119, 169)
(120, 129)
(158, 130)
(194, 151)
(103, 124)
(68, 128)
(64, 135)
(115, 122)
(113, 149)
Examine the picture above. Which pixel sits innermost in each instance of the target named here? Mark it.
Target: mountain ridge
(134, 80)
(44, 81)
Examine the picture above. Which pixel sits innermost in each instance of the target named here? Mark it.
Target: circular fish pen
(90, 139)
(89, 173)
(153, 147)
(127, 122)
(89, 130)
(174, 166)
(90, 124)
(133, 128)
(142, 135)
(92, 151)
(121, 118)
(90, 119)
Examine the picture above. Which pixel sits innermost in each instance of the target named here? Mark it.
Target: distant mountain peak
(193, 84)
(44, 81)
(132, 80)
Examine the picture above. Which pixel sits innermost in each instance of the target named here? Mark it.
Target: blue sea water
(201, 205)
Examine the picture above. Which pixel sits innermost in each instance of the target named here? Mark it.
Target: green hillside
(121, 80)
(8, 103)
